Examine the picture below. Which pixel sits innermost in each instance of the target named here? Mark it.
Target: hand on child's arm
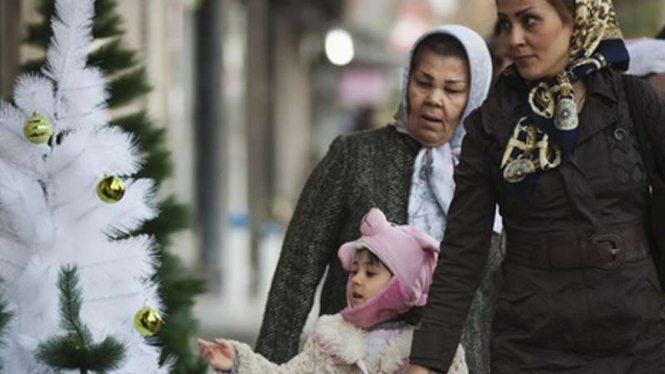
(219, 354)
(416, 369)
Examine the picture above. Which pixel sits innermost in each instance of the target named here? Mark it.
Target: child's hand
(219, 354)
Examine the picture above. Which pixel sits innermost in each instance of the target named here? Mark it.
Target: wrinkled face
(538, 40)
(438, 94)
(366, 279)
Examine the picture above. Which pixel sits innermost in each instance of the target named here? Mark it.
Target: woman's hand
(417, 369)
(219, 354)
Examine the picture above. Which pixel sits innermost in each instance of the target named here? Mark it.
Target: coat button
(620, 133)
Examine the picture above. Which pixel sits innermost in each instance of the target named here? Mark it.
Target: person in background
(555, 146)
(647, 60)
(499, 50)
(363, 119)
(406, 170)
(390, 269)
(661, 34)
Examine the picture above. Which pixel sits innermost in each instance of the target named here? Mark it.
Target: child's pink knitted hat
(407, 251)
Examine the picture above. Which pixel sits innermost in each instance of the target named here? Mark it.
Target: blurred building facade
(251, 103)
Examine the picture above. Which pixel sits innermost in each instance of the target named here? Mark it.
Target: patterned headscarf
(542, 140)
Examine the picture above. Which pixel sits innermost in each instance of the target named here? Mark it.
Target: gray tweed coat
(360, 171)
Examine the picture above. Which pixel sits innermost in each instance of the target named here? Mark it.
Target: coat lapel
(595, 117)
(600, 110)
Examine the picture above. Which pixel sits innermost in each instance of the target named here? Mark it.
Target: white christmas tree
(62, 208)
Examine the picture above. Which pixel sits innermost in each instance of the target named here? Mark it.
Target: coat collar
(346, 343)
(407, 139)
(600, 109)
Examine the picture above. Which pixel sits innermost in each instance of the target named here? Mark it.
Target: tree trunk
(260, 147)
(10, 19)
(209, 127)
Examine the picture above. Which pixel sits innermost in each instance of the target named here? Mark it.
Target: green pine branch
(107, 23)
(5, 317)
(112, 57)
(75, 350)
(70, 304)
(128, 87)
(128, 82)
(157, 164)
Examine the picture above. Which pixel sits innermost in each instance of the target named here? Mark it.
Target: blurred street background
(251, 93)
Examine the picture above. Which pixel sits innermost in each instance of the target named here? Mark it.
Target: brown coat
(573, 320)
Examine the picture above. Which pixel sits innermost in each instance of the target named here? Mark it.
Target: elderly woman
(555, 146)
(405, 170)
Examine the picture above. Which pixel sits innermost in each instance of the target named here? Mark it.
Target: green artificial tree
(127, 83)
(75, 350)
(5, 316)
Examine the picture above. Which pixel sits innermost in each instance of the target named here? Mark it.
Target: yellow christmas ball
(37, 129)
(148, 321)
(111, 189)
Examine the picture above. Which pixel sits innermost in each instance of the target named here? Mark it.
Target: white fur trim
(395, 355)
(339, 338)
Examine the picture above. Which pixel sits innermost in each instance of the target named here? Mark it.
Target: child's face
(367, 278)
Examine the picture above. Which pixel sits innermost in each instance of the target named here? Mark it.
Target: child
(390, 272)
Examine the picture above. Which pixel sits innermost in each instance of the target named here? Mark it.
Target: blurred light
(339, 47)
(408, 28)
(362, 86)
(444, 8)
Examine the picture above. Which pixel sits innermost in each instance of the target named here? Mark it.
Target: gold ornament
(111, 189)
(517, 170)
(37, 129)
(148, 321)
(566, 115)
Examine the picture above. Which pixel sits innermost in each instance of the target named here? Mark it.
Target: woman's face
(538, 40)
(438, 94)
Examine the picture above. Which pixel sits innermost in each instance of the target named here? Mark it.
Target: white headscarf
(432, 184)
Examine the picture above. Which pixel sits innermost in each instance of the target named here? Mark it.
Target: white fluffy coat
(337, 347)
